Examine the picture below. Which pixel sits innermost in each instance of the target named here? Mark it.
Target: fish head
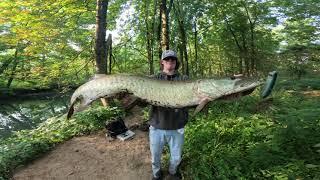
(85, 95)
(220, 88)
(78, 103)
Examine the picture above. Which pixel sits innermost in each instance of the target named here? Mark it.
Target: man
(167, 124)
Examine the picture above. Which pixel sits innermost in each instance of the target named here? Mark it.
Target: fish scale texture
(174, 94)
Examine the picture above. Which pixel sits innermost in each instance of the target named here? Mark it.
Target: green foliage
(27, 145)
(49, 37)
(50, 43)
(298, 85)
(237, 140)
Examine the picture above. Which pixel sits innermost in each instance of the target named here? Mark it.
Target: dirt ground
(94, 157)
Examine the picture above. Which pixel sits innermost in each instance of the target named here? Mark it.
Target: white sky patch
(74, 46)
(121, 23)
(115, 36)
(316, 42)
(275, 12)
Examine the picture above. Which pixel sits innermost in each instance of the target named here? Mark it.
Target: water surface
(19, 114)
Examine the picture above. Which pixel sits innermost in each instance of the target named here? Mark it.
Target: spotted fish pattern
(173, 94)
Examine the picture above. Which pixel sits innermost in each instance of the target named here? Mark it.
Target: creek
(27, 113)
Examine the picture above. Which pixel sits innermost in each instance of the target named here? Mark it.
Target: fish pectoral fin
(202, 104)
(129, 102)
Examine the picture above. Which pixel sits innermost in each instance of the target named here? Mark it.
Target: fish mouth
(70, 111)
(77, 105)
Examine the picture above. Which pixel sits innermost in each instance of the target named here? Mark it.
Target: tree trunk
(196, 46)
(253, 66)
(181, 57)
(159, 34)
(109, 51)
(149, 40)
(253, 52)
(154, 32)
(241, 58)
(182, 32)
(164, 25)
(245, 53)
(240, 62)
(13, 71)
(149, 53)
(184, 46)
(100, 46)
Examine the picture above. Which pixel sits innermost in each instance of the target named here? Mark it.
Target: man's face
(169, 64)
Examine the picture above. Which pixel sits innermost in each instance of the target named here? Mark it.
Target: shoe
(156, 178)
(159, 176)
(176, 176)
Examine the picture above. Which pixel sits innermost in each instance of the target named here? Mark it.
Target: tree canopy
(52, 43)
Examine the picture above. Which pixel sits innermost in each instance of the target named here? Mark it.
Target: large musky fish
(173, 94)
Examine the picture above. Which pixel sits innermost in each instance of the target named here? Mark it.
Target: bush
(238, 141)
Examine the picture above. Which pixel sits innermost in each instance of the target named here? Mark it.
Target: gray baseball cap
(168, 53)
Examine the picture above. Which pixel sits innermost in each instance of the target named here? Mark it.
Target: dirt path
(94, 157)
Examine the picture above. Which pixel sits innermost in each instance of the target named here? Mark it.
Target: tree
(100, 46)
(164, 13)
(49, 37)
(183, 39)
(297, 34)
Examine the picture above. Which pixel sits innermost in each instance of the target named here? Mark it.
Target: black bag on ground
(115, 127)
